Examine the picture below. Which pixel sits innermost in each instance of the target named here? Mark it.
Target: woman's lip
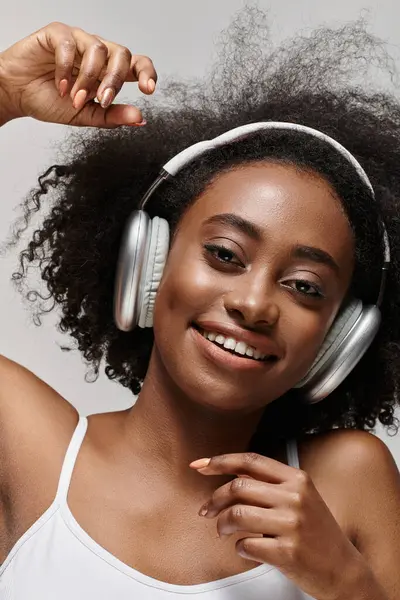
(255, 340)
(224, 358)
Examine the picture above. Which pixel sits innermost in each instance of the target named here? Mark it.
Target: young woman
(263, 349)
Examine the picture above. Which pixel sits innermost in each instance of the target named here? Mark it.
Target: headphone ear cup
(131, 260)
(157, 253)
(341, 326)
(347, 341)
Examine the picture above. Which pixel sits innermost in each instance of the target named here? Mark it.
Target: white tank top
(57, 560)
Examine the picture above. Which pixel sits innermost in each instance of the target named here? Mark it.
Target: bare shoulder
(36, 425)
(348, 451)
(29, 408)
(357, 476)
(366, 465)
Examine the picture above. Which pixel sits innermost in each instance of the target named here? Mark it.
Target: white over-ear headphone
(144, 251)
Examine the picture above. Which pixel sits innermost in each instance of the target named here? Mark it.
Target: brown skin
(55, 74)
(132, 489)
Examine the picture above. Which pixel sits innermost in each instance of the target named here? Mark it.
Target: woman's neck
(167, 428)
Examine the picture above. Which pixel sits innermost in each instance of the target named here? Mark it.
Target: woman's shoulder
(348, 450)
(36, 426)
(344, 456)
(30, 409)
(346, 466)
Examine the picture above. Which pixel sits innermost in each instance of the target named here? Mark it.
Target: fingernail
(80, 99)
(244, 554)
(200, 463)
(63, 87)
(151, 85)
(107, 98)
(203, 511)
(141, 124)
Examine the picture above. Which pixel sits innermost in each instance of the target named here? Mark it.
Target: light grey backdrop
(179, 35)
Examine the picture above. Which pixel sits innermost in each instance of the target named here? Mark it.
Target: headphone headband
(175, 164)
(180, 160)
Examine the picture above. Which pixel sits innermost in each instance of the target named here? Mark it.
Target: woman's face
(256, 273)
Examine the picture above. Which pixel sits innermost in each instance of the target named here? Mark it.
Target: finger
(115, 75)
(253, 519)
(247, 463)
(143, 71)
(59, 39)
(93, 115)
(266, 550)
(64, 57)
(94, 56)
(245, 491)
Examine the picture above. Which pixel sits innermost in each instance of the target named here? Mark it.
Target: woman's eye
(305, 288)
(224, 255)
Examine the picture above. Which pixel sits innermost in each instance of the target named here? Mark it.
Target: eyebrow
(253, 231)
(316, 255)
(237, 222)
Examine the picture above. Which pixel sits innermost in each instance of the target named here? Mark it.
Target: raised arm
(63, 75)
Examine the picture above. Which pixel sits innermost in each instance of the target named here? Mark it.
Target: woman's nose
(252, 302)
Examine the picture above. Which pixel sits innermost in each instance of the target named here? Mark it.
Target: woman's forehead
(284, 202)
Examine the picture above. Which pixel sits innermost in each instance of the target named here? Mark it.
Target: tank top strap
(293, 453)
(70, 459)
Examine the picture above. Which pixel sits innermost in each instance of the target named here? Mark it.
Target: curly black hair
(310, 80)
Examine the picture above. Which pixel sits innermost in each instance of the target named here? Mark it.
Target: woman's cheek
(185, 292)
(188, 286)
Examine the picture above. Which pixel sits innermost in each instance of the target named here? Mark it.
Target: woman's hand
(300, 535)
(55, 74)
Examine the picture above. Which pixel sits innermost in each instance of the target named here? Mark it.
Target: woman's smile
(230, 353)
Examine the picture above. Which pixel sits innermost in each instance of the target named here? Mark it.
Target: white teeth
(230, 344)
(241, 348)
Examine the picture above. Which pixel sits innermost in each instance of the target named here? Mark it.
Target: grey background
(179, 36)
